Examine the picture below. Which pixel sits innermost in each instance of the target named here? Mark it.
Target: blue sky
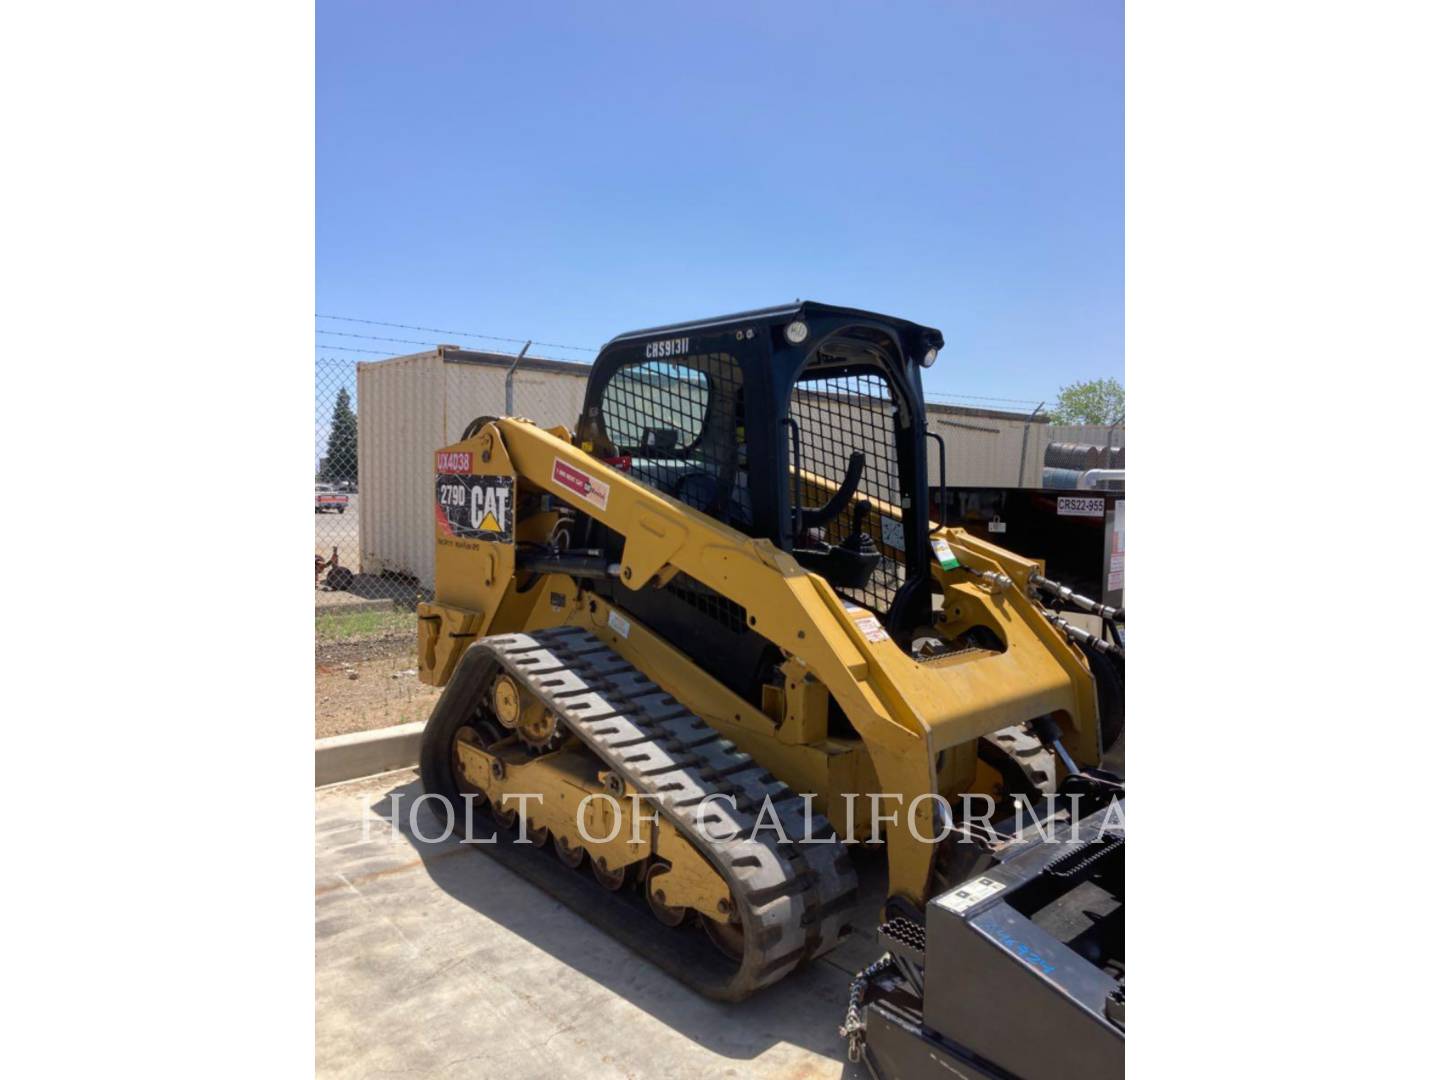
(565, 172)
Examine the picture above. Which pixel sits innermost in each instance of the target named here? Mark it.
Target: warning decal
(475, 507)
(892, 533)
(866, 623)
(871, 628)
(970, 894)
(578, 481)
(1115, 581)
(943, 553)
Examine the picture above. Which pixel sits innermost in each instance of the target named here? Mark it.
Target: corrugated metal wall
(980, 450)
(411, 406)
(985, 450)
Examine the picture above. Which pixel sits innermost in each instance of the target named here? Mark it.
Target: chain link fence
(378, 423)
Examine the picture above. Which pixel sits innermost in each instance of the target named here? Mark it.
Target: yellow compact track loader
(712, 639)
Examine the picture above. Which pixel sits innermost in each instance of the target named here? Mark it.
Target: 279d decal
(475, 507)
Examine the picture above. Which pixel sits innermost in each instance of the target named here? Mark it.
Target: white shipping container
(411, 406)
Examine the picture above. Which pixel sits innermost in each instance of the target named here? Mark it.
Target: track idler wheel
(613, 880)
(505, 699)
(572, 855)
(728, 936)
(655, 894)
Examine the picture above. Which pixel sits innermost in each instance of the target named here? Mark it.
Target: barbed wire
(349, 348)
(376, 337)
(337, 347)
(457, 333)
(980, 397)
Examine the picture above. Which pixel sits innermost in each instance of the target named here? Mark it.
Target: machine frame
(917, 719)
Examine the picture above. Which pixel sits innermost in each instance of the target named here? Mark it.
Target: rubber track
(1029, 754)
(796, 901)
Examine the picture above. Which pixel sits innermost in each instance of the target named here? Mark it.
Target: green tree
(342, 453)
(1097, 401)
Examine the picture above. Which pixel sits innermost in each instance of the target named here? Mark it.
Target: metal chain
(1103, 845)
(854, 1028)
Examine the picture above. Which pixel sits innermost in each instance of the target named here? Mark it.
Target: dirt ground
(365, 684)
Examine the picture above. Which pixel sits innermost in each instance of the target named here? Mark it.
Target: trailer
(1078, 534)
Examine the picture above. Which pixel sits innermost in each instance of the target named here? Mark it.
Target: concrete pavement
(433, 960)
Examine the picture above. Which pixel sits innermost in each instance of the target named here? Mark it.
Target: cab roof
(782, 314)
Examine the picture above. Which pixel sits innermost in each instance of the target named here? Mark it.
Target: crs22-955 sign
(474, 507)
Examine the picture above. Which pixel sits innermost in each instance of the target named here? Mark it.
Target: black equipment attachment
(1018, 972)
